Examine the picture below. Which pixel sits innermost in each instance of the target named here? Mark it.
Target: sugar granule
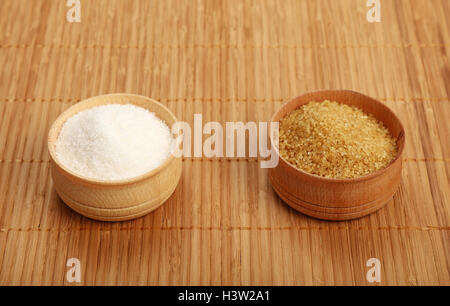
(335, 140)
(113, 142)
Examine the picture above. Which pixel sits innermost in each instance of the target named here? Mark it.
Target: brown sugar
(335, 140)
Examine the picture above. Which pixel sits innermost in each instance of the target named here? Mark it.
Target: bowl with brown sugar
(339, 154)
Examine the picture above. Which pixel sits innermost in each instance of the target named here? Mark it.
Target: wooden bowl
(339, 199)
(117, 200)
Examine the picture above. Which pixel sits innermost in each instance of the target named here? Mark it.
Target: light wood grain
(235, 60)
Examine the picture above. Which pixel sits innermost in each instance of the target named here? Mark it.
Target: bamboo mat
(234, 60)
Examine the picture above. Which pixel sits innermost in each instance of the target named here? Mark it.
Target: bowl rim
(366, 177)
(88, 180)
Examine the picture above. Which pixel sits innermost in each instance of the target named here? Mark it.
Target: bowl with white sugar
(111, 156)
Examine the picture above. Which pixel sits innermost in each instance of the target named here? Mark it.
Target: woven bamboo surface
(234, 60)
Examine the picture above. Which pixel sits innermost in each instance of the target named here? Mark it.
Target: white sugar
(113, 142)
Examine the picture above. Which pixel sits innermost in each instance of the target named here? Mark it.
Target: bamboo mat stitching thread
(225, 46)
(233, 228)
